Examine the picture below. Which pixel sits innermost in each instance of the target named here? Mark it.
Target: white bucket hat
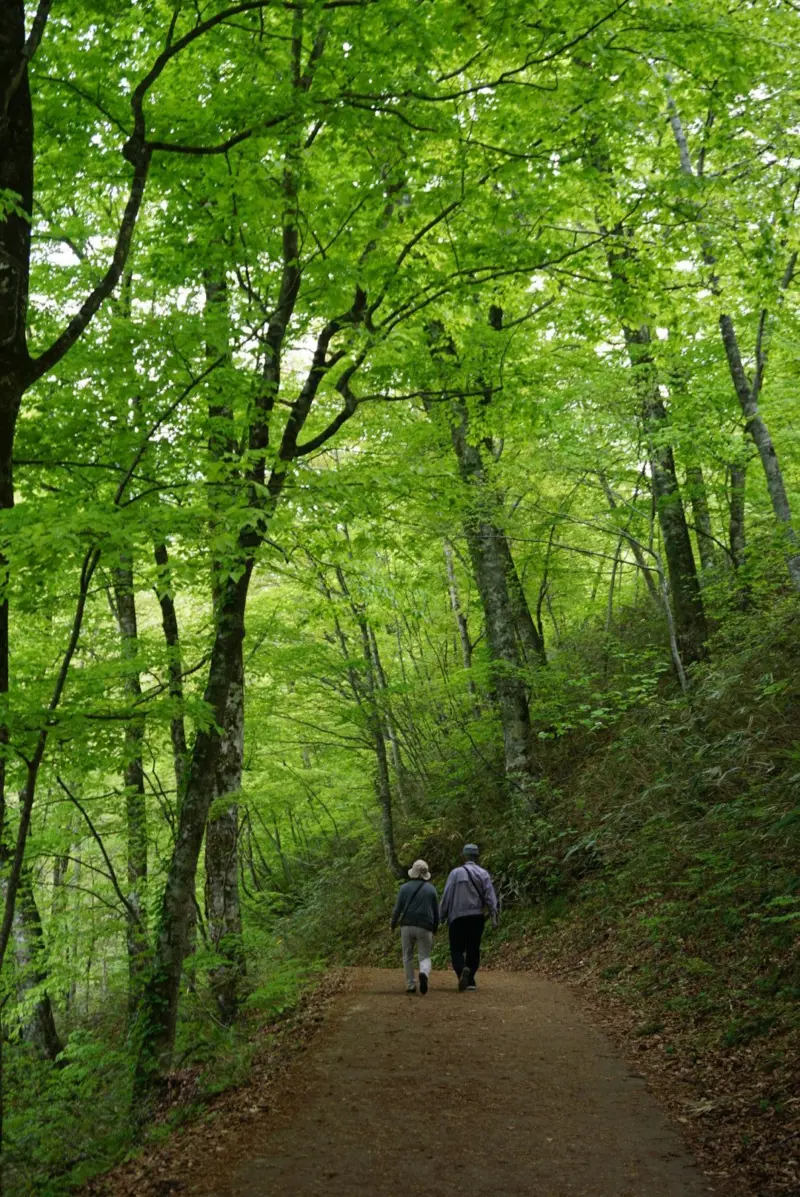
(419, 869)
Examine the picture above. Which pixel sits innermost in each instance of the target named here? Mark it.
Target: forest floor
(508, 1090)
(737, 1104)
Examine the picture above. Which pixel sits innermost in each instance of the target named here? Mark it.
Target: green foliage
(463, 216)
(65, 1124)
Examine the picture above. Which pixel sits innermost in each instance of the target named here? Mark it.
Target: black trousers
(465, 943)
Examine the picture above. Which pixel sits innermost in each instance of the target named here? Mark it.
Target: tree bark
(169, 623)
(748, 394)
(223, 912)
(16, 176)
(690, 621)
(30, 959)
(29, 953)
(706, 544)
(383, 786)
(531, 637)
(389, 723)
(366, 695)
(460, 617)
(160, 1002)
(736, 525)
(488, 552)
(133, 780)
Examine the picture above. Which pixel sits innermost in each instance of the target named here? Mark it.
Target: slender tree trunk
(530, 637)
(391, 727)
(169, 623)
(748, 391)
(40, 1030)
(690, 621)
(223, 912)
(748, 394)
(689, 615)
(30, 958)
(736, 525)
(646, 571)
(488, 551)
(133, 779)
(696, 486)
(160, 1005)
(16, 177)
(367, 698)
(177, 725)
(455, 607)
(383, 786)
(736, 529)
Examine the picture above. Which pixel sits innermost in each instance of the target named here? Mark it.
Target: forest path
(499, 1093)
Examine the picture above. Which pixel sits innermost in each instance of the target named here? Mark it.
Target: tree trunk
(169, 623)
(531, 638)
(736, 525)
(223, 909)
(16, 177)
(690, 621)
(389, 723)
(40, 1030)
(133, 780)
(223, 912)
(488, 552)
(689, 615)
(748, 396)
(646, 571)
(696, 486)
(749, 392)
(160, 1004)
(455, 607)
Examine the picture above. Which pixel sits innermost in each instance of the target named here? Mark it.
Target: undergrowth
(65, 1125)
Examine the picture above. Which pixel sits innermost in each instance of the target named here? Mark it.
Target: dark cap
(470, 850)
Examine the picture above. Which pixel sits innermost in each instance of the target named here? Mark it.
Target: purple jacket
(461, 893)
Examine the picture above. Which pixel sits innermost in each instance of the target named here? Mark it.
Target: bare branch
(131, 911)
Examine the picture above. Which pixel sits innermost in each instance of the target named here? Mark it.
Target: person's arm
(444, 905)
(398, 908)
(491, 901)
(437, 917)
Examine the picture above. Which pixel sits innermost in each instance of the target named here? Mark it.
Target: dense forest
(398, 443)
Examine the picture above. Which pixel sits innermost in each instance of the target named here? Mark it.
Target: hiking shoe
(464, 979)
(423, 983)
(411, 989)
(473, 985)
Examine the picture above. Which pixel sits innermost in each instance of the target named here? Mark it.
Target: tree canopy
(388, 392)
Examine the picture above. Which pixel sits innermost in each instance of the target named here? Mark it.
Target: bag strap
(474, 884)
(410, 903)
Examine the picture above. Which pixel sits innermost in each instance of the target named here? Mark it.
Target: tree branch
(139, 154)
(133, 914)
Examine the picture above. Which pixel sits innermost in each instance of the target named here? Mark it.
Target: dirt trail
(500, 1093)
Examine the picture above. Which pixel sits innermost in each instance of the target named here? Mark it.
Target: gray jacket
(469, 888)
(417, 905)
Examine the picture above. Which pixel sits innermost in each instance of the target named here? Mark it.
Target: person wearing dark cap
(417, 912)
(468, 893)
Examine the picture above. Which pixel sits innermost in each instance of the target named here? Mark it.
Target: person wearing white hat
(417, 912)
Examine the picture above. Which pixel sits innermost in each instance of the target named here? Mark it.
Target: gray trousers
(424, 941)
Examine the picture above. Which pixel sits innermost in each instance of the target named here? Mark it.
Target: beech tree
(379, 399)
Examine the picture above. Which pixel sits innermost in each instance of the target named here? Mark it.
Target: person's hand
(495, 921)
